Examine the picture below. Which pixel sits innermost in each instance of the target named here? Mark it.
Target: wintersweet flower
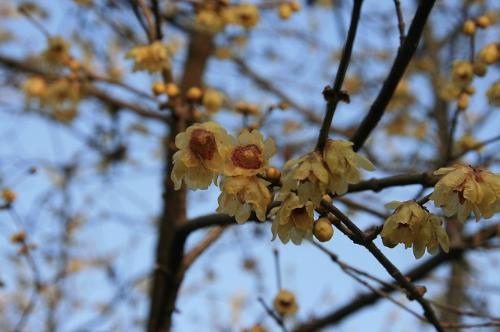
(250, 156)
(201, 155)
(413, 226)
(465, 189)
(343, 164)
(308, 176)
(293, 220)
(153, 57)
(285, 303)
(57, 51)
(244, 14)
(240, 195)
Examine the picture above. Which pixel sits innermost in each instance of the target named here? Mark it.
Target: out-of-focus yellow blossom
(201, 155)
(493, 94)
(194, 94)
(153, 57)
(464, 189)
(293, 220)
(462, 73)
(250, 156)
(84, 2)
(343, 164)
(284, 11)
(8, 195)
(57, 51)
(469, 27)
(308, 176)
(244, 14)
(212, 100)
(420, 130)
(223, 53)
(403, 97)
(240, 195)
(480, 69)
(483, 21)
(246, 108)
(415, 227)
(448, 91)
(35, 87)
(65, 115)
(256, 328)
(285, 303)
(468, 142)
(208, 20)
(398, 126)
(489, 54)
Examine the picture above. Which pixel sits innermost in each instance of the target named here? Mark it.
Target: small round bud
(284, 11)
(489, 54)
(194, 94)
(295, 5)
(8, 195)
(323, 229)
(285, 303)
(18, 237)
(273, 174)
(480, 69)
(158, 88)
(172, 90)
(483, 21)
(463, 101)
(469, 27)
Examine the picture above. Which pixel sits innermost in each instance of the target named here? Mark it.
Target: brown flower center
(202, 144)
(247, 156)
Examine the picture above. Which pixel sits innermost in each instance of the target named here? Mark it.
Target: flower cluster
(464, 189)
(154, 57)
(414, 226)
(307, 180)
(213, 18)
(206, 151)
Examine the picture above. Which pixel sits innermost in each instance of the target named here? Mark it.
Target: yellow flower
(489, 54)
(308, 176)
(208, 20)
(244, 14)
(201, 155)
(323, 229)
(256, 328)
(153, 57)
(57, 51)
(464, 189)
(35, 87)
(250, 156)
(8, 195)
(468, 142)
(212, 100)
(240, 195)
(415, 227)
(285, 303)
(493, 94)
(293, 220)
(343, 164)
(462, 73)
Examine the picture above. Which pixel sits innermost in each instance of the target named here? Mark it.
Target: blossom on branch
(201, 155)
(240, 195)
(414, 226)
(154, 57)
(465, 189)
(343, 164)
(293, 220)
(250, 156)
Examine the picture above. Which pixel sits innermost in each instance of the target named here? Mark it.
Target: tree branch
(334, 95)
(405, 53)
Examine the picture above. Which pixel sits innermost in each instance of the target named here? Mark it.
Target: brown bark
(167, 276)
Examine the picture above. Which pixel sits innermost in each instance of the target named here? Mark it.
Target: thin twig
(333, 96)
(401, 22)
(405, 53)
(387, 264)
